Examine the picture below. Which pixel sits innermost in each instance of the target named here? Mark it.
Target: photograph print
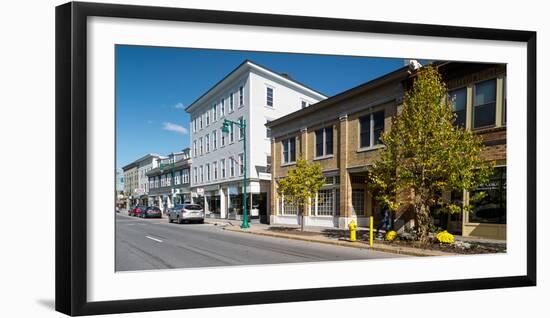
(227, 158)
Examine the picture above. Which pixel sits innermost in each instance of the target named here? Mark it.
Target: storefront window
(491, 208)
(358, 201)
(287, 207)
(213, 203)
(236, 204)
(325, 202)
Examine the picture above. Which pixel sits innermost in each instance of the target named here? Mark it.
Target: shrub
(445, 237)
(391, 235)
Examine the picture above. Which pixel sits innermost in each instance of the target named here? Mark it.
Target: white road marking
(154, 239)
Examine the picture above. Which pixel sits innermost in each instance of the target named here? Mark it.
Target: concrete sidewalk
(318, 235)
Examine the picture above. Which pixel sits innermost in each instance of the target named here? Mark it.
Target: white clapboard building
(257, 95)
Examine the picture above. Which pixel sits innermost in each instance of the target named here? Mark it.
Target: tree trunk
(301, 210)
(424, 222)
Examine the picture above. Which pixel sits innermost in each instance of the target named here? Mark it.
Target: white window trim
(214, 171)
(289, 163)
(232, 167)
(372, 145)
(241, 164)
(324, 155)
(241, 96)
(231, 102)
(214, 113)
(241, 132)
(214, 140)
(272, 96)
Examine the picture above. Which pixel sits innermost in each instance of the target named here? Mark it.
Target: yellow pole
(371, 231)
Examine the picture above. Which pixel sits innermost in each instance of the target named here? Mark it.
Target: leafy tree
(426, 154)
(301, 184)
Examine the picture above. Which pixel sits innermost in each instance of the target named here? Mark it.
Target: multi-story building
(130, 172)
(169, 182)
(342, 133)
(257, 95)
(144, 165)
(136, 183)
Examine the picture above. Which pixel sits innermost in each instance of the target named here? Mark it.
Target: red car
(138, 210)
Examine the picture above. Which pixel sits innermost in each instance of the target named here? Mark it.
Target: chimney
(286, 75)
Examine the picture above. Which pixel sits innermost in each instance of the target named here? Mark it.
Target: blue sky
(155, 84)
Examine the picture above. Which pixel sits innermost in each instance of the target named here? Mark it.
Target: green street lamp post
(242, 126)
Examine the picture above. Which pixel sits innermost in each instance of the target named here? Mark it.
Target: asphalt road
(143, 244)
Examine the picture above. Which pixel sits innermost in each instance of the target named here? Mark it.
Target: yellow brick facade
(349, 162)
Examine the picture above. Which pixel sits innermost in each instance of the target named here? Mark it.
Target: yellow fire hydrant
(352, 231)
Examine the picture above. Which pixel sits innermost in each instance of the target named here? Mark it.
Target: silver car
(186, 213)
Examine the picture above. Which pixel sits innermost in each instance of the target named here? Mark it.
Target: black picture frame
(71, 157)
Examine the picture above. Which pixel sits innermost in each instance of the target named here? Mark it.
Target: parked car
(186, 213)
(138, 210)
(131, 210)
(151, 212)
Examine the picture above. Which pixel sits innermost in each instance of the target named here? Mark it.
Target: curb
(348, 244)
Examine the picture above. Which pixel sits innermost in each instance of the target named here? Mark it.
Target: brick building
(342, 133)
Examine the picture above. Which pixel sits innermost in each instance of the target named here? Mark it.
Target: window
(325, 202)
(323, 142)
(231, 103)
(484, 111)
(222, 108)
(195, 148)
(289, 150)
(222, 168)
(214, 170)
(231, 134)
(214, 113)
(370, 130)
(200, 146)
(269, 97)
(208, 117)
(241, 164)
(207, 142)
(157, 181)
(358, 201)
(287, 207)
(223, 138)
(241, 96)
(491, 208)
(194, 125)
(214, 141)
(207, 172)
(200, 121)
(458, 100)
(195, 175)
(201, 172)
(177, 178)
(185, 176)
(241, 130)
(232, 167)
(267, 130)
